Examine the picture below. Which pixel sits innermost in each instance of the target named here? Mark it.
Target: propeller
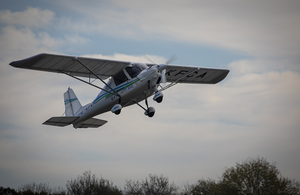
(172, 59)
(163, 77)
(162, 68)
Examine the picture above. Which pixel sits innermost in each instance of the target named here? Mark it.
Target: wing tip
(27, 61)
(221, 77)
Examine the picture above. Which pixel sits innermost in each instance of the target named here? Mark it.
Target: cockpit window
(120, 78)
(134, 69)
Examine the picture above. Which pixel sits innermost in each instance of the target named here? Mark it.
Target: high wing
(106, 68)
(70, 65)
(192, 74)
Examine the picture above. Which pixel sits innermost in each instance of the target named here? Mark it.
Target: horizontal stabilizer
(61, 121)
(91, 123)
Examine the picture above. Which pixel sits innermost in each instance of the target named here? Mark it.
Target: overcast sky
(197, 130)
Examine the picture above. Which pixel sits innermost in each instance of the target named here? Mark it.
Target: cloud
(76, 39)
(197, 130)
(19, 36)
(32, 17)
(256, 113)
(259, 29)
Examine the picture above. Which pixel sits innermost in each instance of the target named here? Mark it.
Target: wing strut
(86, 82)
(115, 93)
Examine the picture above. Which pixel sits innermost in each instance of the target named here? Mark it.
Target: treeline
(252, 176)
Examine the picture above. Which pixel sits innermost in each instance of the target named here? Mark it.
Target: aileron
(189, 74)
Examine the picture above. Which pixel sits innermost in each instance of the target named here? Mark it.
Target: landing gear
(158, 97)
(150, 112)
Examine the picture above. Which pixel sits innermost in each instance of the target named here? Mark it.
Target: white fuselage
(131, 91)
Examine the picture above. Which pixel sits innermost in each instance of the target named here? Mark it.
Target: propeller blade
(163, 78)
(172, 59)
(162, 68)
(163, 72)
(150, 59)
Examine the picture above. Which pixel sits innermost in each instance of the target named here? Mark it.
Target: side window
(120, 78)
(135, 69)
(130, 71)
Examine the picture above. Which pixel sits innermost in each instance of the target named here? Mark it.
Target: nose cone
(161, 67)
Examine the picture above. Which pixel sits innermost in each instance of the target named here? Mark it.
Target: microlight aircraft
(128, 83)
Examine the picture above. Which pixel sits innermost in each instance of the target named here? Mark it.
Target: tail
(72, 104)
(72, 107)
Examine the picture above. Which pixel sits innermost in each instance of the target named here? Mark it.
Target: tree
(40, 189)
(204, 187)
(252, 176)
(257, 176)
(133, 188)
(151, 186)
(89, 184)
(33, 188)
(7, 191)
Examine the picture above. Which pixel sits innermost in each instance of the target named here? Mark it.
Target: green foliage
(205, 187)
(253, 176)
(257, 176)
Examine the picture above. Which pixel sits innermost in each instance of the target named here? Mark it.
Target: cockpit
(129, 72)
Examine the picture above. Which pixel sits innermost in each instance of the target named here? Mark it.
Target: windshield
(134, 69)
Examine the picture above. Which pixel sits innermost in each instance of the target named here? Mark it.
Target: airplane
(128, 83)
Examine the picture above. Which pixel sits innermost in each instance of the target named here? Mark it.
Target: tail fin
(72, 104)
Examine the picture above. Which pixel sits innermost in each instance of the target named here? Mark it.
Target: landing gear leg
(150, 111)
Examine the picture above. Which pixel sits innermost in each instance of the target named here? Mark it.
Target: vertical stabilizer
(72, 104)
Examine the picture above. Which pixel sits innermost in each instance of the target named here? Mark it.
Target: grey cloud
(197, 129)
(257, 28)
(32, 17)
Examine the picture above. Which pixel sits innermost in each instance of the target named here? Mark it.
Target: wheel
(150, 112)
(159, 99)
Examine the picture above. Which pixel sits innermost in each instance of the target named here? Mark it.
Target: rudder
(72, 104)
